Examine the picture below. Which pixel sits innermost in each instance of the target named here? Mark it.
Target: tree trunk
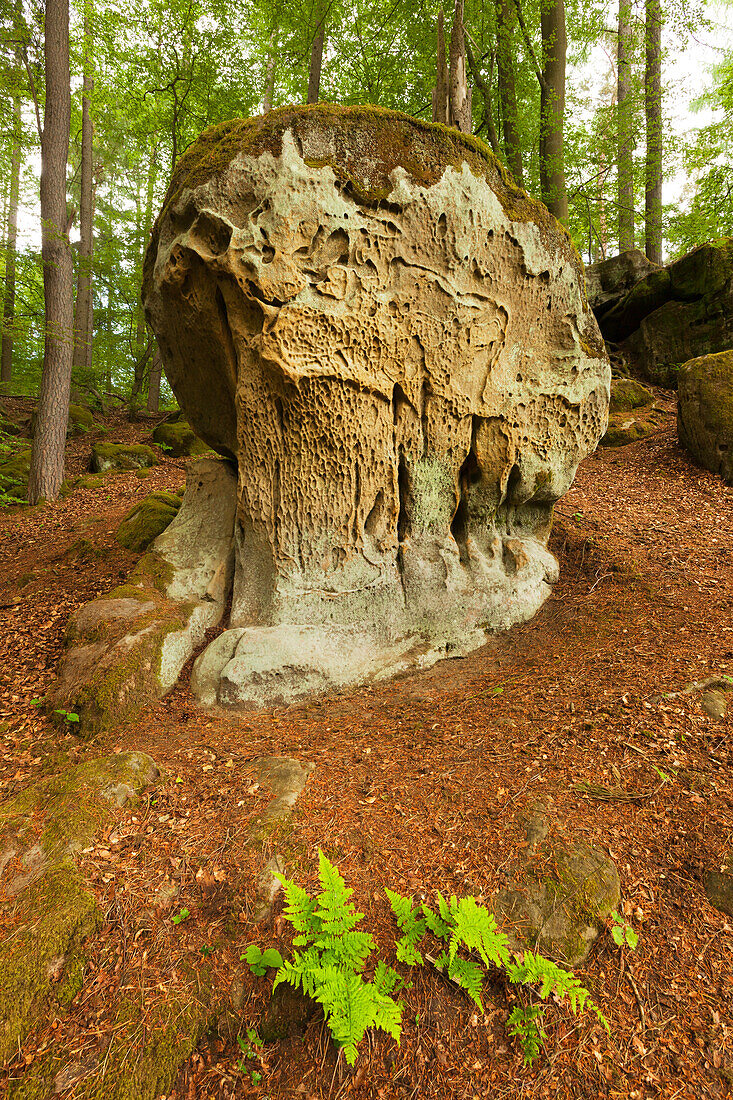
(314, 75)
(6, 359)
(140, 334)
(552, 108)
(49, 442)
(653, 105)
(460, 89)
(440, 91)
(83, 313)
(506, 63)
(625, 135)
(484, 87)
(154, 383)
(270, 75)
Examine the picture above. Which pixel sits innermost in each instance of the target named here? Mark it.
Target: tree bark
(49, 442)
(440, 91)
(154, 383)
(270, 75)
(140, 334)
(625, 167)
(552, 108)
(83, 314)
(6, 357)
(459, 88)
(654, 152)
(314, 74)
(505, 64)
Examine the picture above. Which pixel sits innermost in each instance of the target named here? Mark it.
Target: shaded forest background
(147, 76)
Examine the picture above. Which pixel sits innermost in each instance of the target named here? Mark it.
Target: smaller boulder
(14, 473)
(121, 456)
(559, 895)
(608, 281)
(81, 420)
(633, 413)
(719, 885)
(705, 412)
(178, 438)
(146, 520)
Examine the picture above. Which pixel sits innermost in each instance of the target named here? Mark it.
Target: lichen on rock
(394, 343)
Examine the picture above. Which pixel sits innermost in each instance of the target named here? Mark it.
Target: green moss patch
(146, 520)
(49, 909)
(179, 439)
(627, 394)
(14, 473)
(121, 456)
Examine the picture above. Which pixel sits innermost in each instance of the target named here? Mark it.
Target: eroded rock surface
(394, 343)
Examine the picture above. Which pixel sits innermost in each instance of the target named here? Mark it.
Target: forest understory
(421, 783)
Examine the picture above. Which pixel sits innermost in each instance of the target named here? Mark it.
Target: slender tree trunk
(314, 74)
(154, 383)
(552, 108)
(83, 314)
(140, 334)
(6, 360)
(459, 87)
(49, 442)
(653, 104)
(625, 135)
(270, 74)
(484, 86)
(440, 91)
(506, 64)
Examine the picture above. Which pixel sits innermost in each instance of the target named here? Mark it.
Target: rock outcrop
(705, 412)
(147, 519)
(674, 313)
(393, 341)
(121, 456)
(127, 649)
(609, 281)
(178, 438)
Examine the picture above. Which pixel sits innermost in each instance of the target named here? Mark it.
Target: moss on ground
(14, 472)
(146, 520)
(121, 456)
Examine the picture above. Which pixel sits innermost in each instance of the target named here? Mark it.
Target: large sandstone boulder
(675, 313)
(394, 343)
(705, 412)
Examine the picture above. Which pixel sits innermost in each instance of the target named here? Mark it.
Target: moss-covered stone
(49, 912)
(705, 412)
(627, 394)
(179, 439)
(121, 456)
(14, 473)
(81, 420)
(146, 520)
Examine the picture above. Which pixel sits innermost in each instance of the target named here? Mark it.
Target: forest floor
(421, 783)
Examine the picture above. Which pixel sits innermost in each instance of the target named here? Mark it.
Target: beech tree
(83, 314)
(625, 161)
(653, 109)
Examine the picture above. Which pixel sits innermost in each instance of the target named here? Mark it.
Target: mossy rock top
(146, 520)
(363, 145)
(627, 394)
(179, 438)
(121, 456)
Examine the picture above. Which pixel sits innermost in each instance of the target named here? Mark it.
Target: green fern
(475, 928)
(329, 969)
(413, 929)
(525, 1024)
(465, 973)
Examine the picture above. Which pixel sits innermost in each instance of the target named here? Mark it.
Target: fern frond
(475, 928)
(469, 976)
(300, 910)
(350, 949)
(554, 980)
(413, 928)
(440, 929)
(525, 1025)
(385, 979)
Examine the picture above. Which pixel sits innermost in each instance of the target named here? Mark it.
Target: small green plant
(251, 1047)
(469, 926)
(622, 934)
(329, 968)
(68, 715)
(259, 961)
(525, 1024)
(179, 918)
